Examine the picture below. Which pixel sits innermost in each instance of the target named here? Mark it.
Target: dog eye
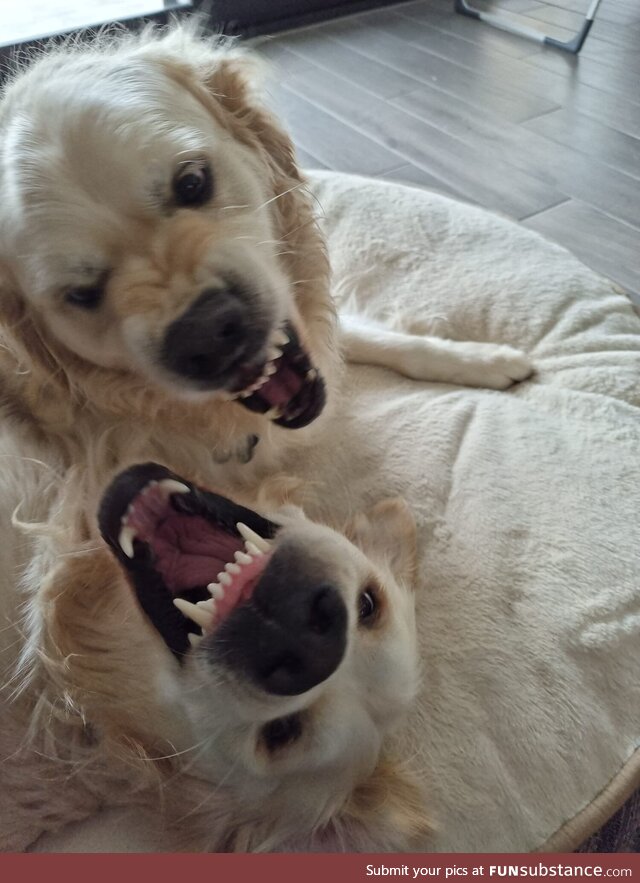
(192, 185)
(281, 732)
(88, 296)
(367, 607)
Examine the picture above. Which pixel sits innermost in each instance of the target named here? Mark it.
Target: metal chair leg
(574, 45)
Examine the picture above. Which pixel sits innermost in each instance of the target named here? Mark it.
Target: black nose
(211, 336)
(293, 633)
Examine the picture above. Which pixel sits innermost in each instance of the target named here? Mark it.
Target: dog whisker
(177, 753)
(279, 196)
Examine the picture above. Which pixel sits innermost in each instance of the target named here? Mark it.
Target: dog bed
(526, 732)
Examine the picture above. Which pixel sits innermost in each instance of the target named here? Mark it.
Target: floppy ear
(235, 82)
(387, 534)
(385, 813)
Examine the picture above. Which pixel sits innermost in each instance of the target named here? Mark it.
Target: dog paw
(493, 366)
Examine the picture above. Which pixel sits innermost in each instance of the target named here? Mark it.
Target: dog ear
(385, 813)
(387, 534)
(235, 82)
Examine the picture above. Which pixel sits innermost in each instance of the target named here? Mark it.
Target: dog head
(153, 223)
(286, 652)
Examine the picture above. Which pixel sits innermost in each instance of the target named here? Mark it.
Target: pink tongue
(281, 387)
(239, 590)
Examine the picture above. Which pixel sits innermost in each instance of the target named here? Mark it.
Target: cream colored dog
(237, 671)
(164, 296)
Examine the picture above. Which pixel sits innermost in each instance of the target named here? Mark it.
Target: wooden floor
(416, 93)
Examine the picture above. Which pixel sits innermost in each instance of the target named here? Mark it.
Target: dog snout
(211, 337)
(293, 634)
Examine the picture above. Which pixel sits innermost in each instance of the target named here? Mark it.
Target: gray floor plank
(617, 72)
(336, 145)
(615, 149)
(416, 177)
(333, 56)
(601, 242)
(456, 76)
(446, 32)
(511, 75)
(568, 171)
(481, 178)
(461, 109)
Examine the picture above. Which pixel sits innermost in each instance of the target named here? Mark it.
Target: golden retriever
(164, 296)
(238, 670)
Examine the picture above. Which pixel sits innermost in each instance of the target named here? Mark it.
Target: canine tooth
(149, 487)
(312, 373)
(280, 337)
(270, 369)
(224, 578)
(252, 549)
(274, 353)
(232, 568)
(216, 590)
(273, 414)
(252, 537)
(194, 639)
(171, 486)
(195, 614)
(242, 558)
(126, 538)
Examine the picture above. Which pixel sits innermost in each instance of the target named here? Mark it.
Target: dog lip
(292, 394)
(165, 556)
(123, 489)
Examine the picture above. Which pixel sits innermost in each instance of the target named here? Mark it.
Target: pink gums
(240, 589)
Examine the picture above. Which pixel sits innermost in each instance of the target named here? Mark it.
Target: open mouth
(287, 388)
(192, 556)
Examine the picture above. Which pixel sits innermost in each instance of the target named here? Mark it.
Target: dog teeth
(252, 549)
(274, 353)
(280, 337)
(312, 373)
(193, 612)
(171, 486)
(273, 414)
(224, 578)
(242, 558)
(232, 568)
(251, 536)
(209, 605)
(216, 591)
(126, 538)
(194, 639)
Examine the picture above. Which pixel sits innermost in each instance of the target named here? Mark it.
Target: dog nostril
(201, 364)
(282, 670)
(323, 611)
(230, 329)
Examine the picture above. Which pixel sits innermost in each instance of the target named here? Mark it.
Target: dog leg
(488, 365)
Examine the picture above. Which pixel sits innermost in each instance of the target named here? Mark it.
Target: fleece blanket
(526, 731)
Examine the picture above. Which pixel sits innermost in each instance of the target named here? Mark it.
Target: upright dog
(164, 296)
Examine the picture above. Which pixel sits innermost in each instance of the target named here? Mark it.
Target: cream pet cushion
(527, 729)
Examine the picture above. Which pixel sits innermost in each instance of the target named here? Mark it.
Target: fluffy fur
(91, 139)
(92, 711)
